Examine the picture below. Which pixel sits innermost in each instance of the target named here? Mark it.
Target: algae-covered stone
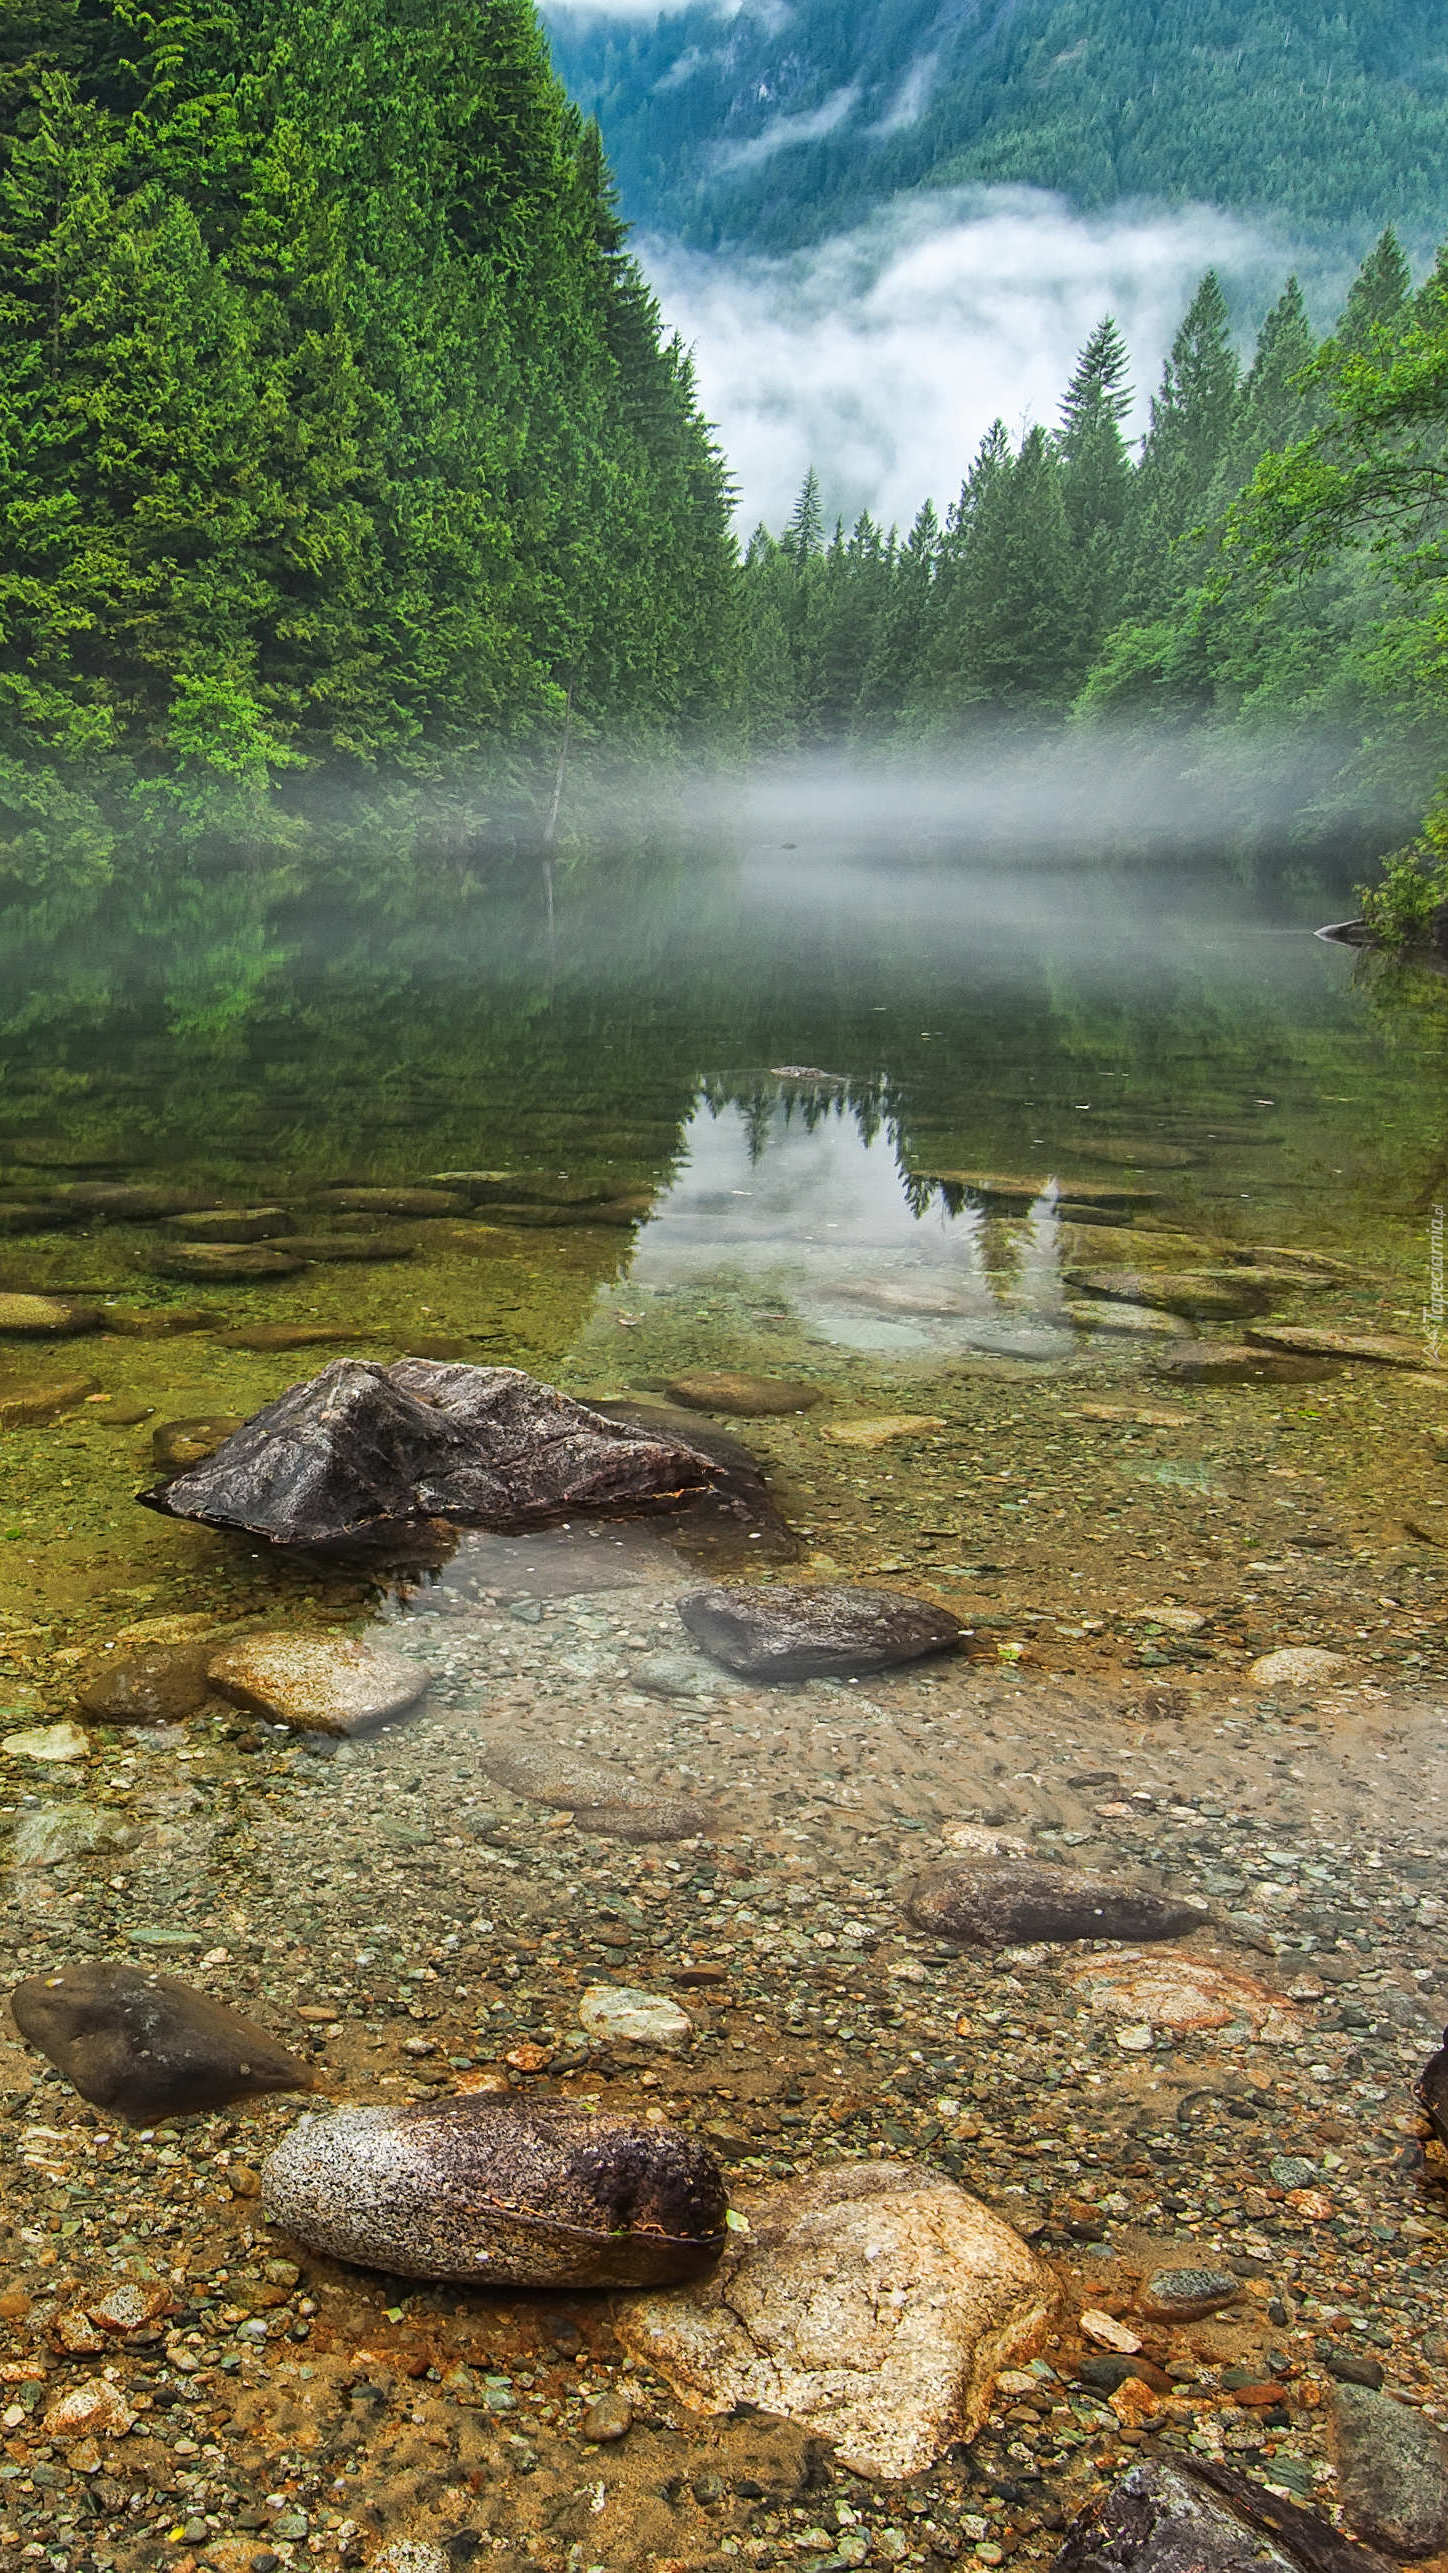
(501, 2193)
(234, 1224)
(179, 1443)
(30, 1406)
(1205, 1295)
(47, 1317)
(228, 1263)
(159, 1685)
(143, 2045)
(751, 1397)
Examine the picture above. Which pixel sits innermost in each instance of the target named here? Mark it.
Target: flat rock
(1226, 1362)
(47, 1317)
(415, 1202)
(599, 1797)
(794, 1631)
(1187, 1995)
(1297, 1666)
(1368, 1349)
(226, 1263)
(617, 2015)
(1124, 1321)
(500, 2192)
(882, 1428)
(875, 2303)
(1191, 2517)
(675, 1675)
(159, 1685)
(29, 1406)
(1006, 1189)
(1206, 1295)
(318, 1683)
(125, 1201)
(158, 1321)
(234, 1224)
(1012, 1902)
(54, 1835)
(752, 1397)
(1185, 2295)
(325, 1247)
(1392, 2470)
(143, 2045)
(50, 1742)
(179, 1443)
(268, 1336)
(365, 1455)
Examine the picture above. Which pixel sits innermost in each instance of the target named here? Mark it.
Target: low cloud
(811, 125)
(883, 355)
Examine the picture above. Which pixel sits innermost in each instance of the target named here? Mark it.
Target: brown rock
(47, 1317)
(227, 1263)
(143, 2045)
(159, 1686)
(752, 1397)
(318, 1683)
(234, 1224)
(94, 2410)
(27, 1406)
(177, 1444)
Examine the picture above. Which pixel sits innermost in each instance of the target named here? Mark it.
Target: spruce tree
(1192, 419)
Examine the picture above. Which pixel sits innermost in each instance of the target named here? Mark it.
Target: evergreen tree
(1192, 417)
(1378, 297)
(1096, 482)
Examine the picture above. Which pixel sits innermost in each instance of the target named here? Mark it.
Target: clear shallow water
(855, 1129)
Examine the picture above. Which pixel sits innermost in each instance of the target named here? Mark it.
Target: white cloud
(634, 8)
(884, 354)
(912, 97)
(810, 126)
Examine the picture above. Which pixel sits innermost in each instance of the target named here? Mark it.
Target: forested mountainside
(792, 118)
(337, 427)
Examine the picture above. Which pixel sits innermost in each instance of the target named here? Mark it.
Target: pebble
(790, 1631)
(47, 1317)
(614, 2014)
(318, 1683)
(490, 2190)
(610, 2418)
(1296, 1666)
(49, 1742)
(751, 1397)
(1011, 1902)
(1185, 2295)
(95, 2409)
(143, 2045)
(413, 2555)
(1392, 2467)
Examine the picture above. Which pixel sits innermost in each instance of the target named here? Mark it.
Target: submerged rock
(47, 1317)
(1297, 1666)
(365, 1454)
(28, 1406)
(126, 1201)
(157, 1686)
(499, 2193)
(176, 1444)
(143, 2045)
(796, 1631)
(318, 1683)
(600, 1798)
(1185, 2295)
(53, 1835)
(415, 1202)
(1432, 2090)
(234, 1224)
(1190, 2517)
(752, 1397)
(1207, 1295)
(1233, 1362)
(1187, 1995)
(53, 1742)
(1392, 2471)
(227, 1263)
(324, 1247)
(874, 2303)
(1011, 1902)
(1369, 1349)
(619, 2016)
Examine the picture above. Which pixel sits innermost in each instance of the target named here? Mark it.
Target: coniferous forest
(346, 464)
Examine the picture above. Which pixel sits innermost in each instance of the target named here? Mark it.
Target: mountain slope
(782, 122)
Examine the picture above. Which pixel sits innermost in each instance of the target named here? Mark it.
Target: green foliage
(339, 435)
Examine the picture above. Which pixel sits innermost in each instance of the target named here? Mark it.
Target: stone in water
(143, 2046)
(825, 1630)
(1012, 1902)
(318, 1683)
